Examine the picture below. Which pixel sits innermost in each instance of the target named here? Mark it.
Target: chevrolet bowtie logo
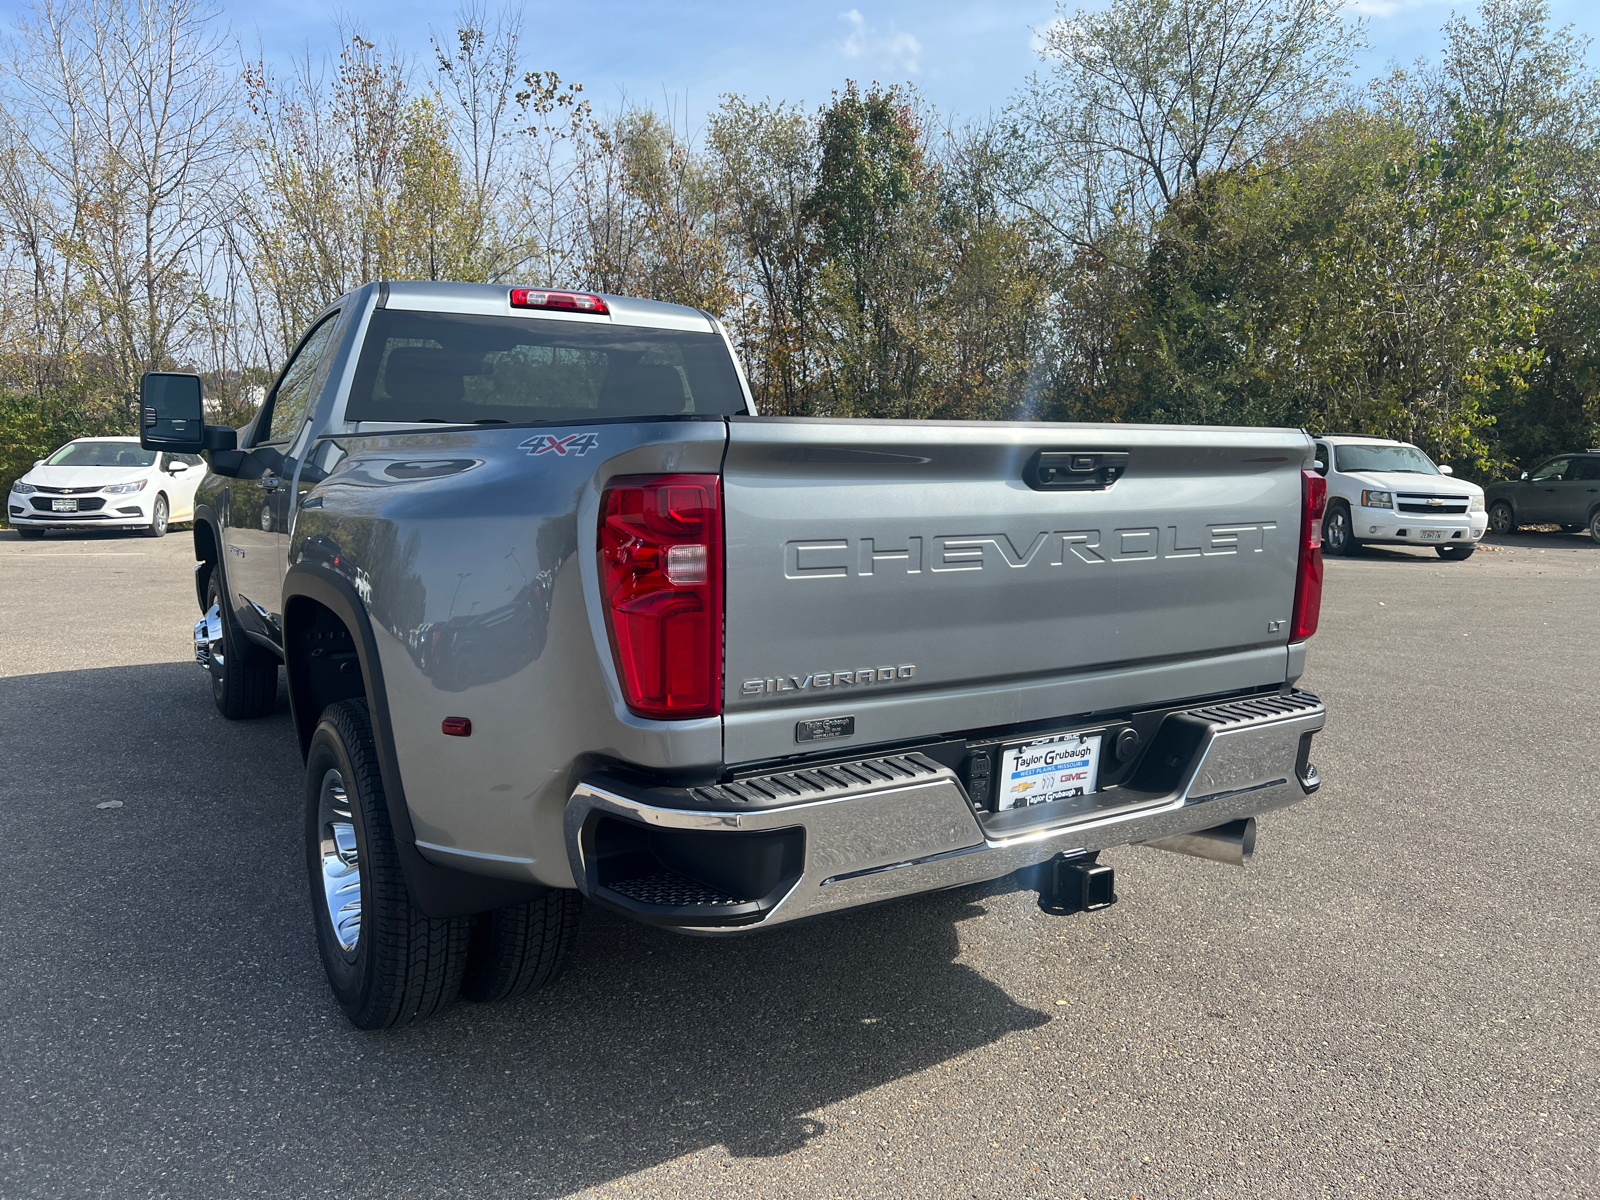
(1435, 503)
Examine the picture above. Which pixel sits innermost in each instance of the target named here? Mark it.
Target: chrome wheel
(1336, 537)
(208, 649)
(341, 863)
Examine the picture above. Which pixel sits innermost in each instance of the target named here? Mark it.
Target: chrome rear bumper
(902, 824)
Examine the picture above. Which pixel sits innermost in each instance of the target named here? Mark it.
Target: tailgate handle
(1074, 470)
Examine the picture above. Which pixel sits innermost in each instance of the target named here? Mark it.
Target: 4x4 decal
(574, 443)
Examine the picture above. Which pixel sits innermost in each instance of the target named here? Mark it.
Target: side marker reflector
(457, 726)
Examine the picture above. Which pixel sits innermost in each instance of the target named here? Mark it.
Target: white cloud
(899, 50)
(1386, 8)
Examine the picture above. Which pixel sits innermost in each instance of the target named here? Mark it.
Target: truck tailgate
(892, 580)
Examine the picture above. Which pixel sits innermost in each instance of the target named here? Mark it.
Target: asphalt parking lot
(1398, 998)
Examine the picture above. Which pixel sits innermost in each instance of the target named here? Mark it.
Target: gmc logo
(835, 557)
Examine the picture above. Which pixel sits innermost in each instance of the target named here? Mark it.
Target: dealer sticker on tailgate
(1054, 768)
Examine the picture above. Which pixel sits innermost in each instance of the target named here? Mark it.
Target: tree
(766, 156)
(873, 209)
(117, 151)
(1142, 99)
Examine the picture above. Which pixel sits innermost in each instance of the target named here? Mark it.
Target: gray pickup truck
(561, 616)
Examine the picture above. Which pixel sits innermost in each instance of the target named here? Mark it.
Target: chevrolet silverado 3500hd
(562, 617)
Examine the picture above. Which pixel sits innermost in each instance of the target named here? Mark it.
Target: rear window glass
(462, 369)
(101, 454)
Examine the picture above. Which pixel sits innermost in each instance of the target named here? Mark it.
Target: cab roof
(494, 299)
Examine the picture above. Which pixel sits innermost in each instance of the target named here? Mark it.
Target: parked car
(105, 483)
(1387, 492)
(1564, 491)
(563, 618)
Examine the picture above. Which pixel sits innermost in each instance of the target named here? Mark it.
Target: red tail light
(565, 301)
(1308, 580)
(661, 572)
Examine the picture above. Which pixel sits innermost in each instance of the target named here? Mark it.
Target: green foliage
(31, 429)
(1366, 282)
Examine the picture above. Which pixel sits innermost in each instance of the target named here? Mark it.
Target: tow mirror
(172, 416)
(1446, 469)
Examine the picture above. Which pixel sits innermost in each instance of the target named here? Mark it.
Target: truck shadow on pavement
(178, 996)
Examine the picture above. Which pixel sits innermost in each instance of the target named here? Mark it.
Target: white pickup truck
(562, 617)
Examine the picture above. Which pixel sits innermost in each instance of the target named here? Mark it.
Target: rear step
(785, 844)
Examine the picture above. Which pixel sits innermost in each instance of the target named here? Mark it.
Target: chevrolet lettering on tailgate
(833, 557)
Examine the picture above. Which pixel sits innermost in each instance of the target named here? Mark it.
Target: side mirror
(1320, 467)
(177, 468)
(171, 414)
(1524, 477)
(1446, 469)
(39, 462)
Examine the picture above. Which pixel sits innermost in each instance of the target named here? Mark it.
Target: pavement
(1396, 999)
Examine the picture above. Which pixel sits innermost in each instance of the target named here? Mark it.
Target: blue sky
(966, 57)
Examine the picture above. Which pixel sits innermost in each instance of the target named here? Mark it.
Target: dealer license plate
(1430, 535)
(1053, 768)
(63, 506)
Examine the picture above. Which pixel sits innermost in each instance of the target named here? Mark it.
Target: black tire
(244, 685)
(28, 535)
(1338, 534)
(1456, 553)
(1594, 527)
(516, 951)
(1502, 517)
(160, 518)
(403, 966)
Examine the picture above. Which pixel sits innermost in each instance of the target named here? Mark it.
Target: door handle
(1074, 470)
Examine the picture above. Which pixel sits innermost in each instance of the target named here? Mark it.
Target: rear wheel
(1594, 527)
(1456, 553)
(1501, 518)
(516, 951)
(160, 518)
(244, 677)
(387, 963)
(1338, 537)
(29, 534)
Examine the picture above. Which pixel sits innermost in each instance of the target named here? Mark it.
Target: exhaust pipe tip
(1233, 843)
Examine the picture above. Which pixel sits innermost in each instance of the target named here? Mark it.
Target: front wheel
(1501, 518)
(1338, 536)
(387, 963)
(244, 677)
(160, 517)
(1456, 553)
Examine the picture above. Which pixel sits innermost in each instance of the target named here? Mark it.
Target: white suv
(105, 483)
(1385, 491)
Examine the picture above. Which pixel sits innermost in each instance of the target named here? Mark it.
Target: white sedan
(105, 483)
